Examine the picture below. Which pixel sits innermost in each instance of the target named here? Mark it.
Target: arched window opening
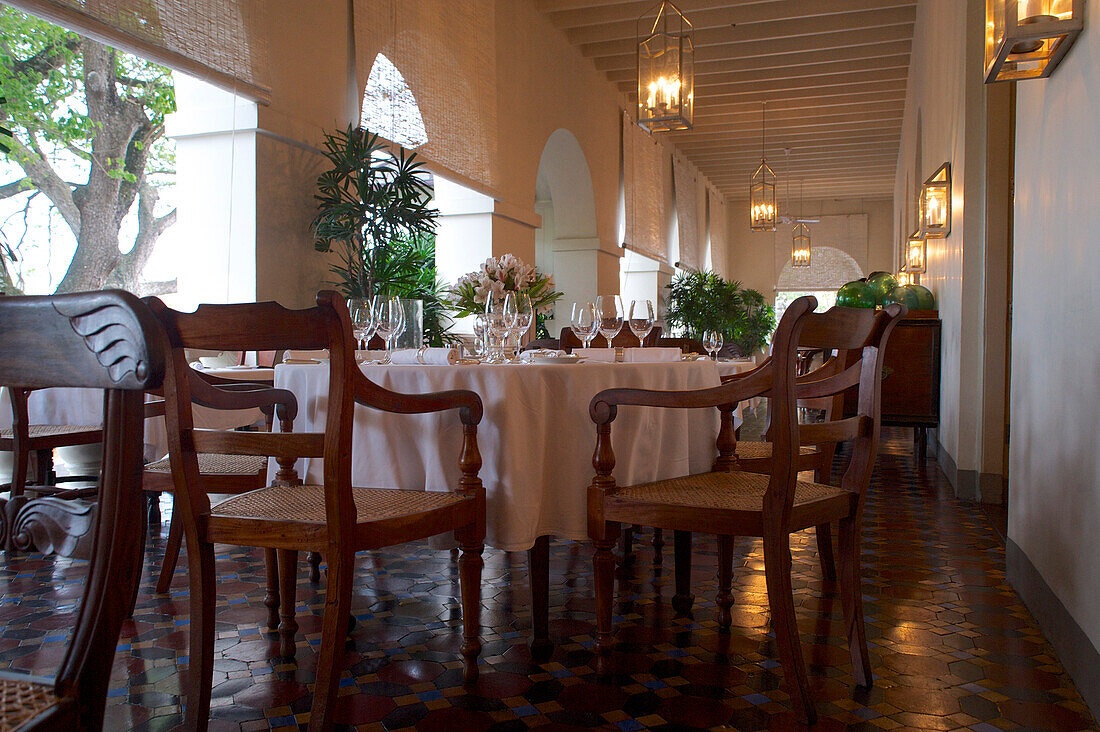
(389, 107)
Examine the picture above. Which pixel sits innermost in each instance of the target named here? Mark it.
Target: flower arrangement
(499, 275)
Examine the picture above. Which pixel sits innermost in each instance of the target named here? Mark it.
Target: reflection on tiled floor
(952, 645)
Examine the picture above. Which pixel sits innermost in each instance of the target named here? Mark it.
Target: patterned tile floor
(952, 645)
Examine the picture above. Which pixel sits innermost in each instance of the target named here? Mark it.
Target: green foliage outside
(374, 210)
(88, 137)
(702, 301)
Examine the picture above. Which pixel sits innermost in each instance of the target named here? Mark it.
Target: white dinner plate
(569, 358)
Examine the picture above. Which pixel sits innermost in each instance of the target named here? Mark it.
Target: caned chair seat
(21, 700)
(52, 430)
(763, 450)
(302, 505)
(734, 501)
(210, 464)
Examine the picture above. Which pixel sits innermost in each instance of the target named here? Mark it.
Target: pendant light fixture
(762, 188)
(666, 70)
(800, 235)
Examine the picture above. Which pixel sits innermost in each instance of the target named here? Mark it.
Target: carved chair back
(104, 340)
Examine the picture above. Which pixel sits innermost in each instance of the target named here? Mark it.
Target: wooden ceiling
(833, 74)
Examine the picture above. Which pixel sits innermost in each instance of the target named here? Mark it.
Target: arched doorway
(566, 245)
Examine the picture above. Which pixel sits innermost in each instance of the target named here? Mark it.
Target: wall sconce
(666, 70)
(800, 245)
(935, 204)
(1026, 39)
(915, 254)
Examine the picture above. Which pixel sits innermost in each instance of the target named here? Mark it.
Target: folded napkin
(536, 352)
(369, 355)
(305, 355)
(596, 354)
(651, 355)
(429, 356)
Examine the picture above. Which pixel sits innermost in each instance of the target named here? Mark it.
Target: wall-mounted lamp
(915, 254)
(666, 70)
(935, 204)
(1026, 39)
(903, 277)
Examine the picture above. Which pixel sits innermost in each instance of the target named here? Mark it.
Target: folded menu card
(596, 354)
(429, 356)
(651, 355)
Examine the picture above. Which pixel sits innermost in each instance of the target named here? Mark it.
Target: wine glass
(390, 322)
(362, 320)
(610, 310)
(584, 322)
(641, 319)
(525, 313)
(481, 334)
(712, 341)
(496, 325)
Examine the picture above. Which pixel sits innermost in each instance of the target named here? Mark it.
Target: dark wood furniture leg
(658, 545)
(683, 600)
(538, 573)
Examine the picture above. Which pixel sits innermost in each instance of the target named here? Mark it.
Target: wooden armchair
(103, 340)
(228, 474)
(24, 439)
(625, 339)
(730, 502)
(333, 518)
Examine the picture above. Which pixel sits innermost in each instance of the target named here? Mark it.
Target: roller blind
(445, 52)
(219, 41)
(687, 213)
(719, 240)
(645, 173)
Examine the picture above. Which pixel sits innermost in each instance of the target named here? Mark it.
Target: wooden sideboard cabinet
(911, 377)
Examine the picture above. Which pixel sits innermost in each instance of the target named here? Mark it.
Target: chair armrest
(371, 394)
(234, 394)
(154, 408)
(604, 405)
(737, 377)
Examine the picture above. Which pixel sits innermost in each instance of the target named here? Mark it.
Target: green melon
(856, 295)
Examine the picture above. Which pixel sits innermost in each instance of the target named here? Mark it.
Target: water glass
(584, 322)
(390, 322)
(712, 341)
(362, 320)
(496, 326)
(524, 314)
(481, 335)
(641, 319)
(610, 310)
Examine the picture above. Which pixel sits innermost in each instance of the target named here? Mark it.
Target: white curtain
(687, 213)
(719, 239)
(645, 179)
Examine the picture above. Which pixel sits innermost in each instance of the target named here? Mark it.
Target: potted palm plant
(375, 212)
(703, 301)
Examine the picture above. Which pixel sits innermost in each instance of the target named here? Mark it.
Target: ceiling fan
(786, 218)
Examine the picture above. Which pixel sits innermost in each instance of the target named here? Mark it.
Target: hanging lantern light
(903, 277)
(800, 236)
(762, 208)
(935, 204)
(915, 254)
(666, 70)
(1026, 39)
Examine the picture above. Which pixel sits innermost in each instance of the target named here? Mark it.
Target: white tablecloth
(536, 438)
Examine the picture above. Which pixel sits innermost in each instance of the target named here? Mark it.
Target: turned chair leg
(852, 599)
(724, 599)
(171, 553)
(658, 545)
(603, 570)
(287, 575)
(683, 600)
(825, 551)
(628, 546)
(777, 574)
(315, 567)
(341, 571)
(271, 597)
(469, 570)
(200, 674)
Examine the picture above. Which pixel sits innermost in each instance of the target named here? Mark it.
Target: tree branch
(15, 188)
(48, 59)
(45, 178)
(127, 273)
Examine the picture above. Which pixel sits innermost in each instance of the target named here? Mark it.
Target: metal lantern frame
(762, 208)
(800, 245)
(916, 253)
(1030, 47)
(666, 69)
(935, 204)
(904, 277)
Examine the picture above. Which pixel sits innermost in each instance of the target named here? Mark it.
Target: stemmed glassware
(363, 323)
(712, 341)
(496, 326)
(481, 335)
(519, 314)
(584, 322)
(390, 319)
(610, 311)
(641, 319)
